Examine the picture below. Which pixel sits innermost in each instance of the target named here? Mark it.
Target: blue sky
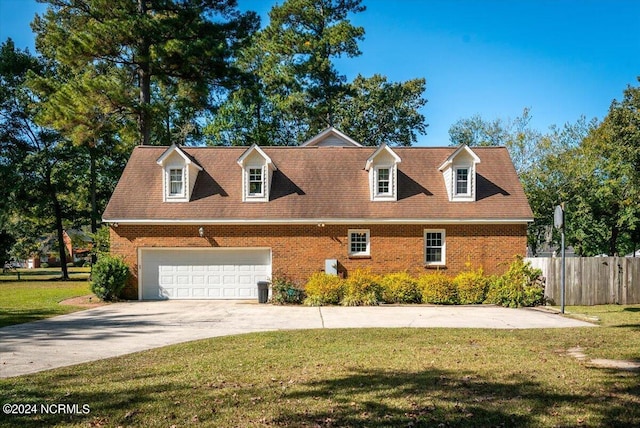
(561, 58)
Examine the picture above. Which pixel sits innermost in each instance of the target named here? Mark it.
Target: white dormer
(459, 173)
(257, 173)
(331, 137)
(383, 174)
(179, 173)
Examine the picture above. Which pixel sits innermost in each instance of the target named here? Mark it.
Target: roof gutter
(318, 221)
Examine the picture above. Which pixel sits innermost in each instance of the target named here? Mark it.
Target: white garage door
(179, 273)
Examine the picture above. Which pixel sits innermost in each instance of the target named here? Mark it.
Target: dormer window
(384, 181)
(179, 173)
(176, 182)
(255, 182)
(459, 173)
(383, 174)
(462, 181)
(257, 174)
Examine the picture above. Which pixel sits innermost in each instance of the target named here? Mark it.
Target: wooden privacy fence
(591, 280)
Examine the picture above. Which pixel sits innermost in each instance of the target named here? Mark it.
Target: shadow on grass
(445, 398)
(427, 398)
(371, 398)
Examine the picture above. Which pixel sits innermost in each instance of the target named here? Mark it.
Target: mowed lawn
(352, 377)
(37, 295)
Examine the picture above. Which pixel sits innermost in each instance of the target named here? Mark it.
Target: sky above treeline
(560, 58)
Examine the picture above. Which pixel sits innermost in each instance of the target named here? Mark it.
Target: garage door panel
(203, 274)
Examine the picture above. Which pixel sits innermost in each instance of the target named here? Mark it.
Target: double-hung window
(462, 181)
(176, 182)
(383, 185)
(359, 242)
(434, 247)
(255, 182)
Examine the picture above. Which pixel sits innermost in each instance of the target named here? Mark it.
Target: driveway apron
(123, 328)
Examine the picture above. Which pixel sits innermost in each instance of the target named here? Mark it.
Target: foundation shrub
(520, 286)
(109, 276)
(322, 289)
(437, 288)
(471, 287)
(285, 291)
(400, 287)
(361, 288)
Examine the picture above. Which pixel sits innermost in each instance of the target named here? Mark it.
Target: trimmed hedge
(471, 287)
(362, 288)
(400, 288)
(437, 288)
(519, 286)
(323, 289)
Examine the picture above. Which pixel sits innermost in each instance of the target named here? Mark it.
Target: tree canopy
(593, 167)
(294, 90)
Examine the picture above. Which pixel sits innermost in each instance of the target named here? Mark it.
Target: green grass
(25, 301)
(45, 274)
(365, 377)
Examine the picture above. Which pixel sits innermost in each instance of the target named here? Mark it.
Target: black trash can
(263, 291)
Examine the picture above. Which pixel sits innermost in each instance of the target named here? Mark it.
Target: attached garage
(215, 273)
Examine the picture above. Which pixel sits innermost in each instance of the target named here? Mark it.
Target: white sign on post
(558, 217)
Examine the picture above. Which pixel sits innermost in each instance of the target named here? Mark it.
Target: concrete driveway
(123, 328)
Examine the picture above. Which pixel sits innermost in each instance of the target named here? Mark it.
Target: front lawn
(355, 377)
(45, 274)
(24, 301)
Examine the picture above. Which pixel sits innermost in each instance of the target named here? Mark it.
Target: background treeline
(107, 76)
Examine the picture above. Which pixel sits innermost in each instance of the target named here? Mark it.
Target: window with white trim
(462, 184)
(383, 184)
(359, 242)
(434, 247)
(176, 182)
(255, 182)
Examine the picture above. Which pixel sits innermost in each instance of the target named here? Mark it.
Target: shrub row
(519, 286)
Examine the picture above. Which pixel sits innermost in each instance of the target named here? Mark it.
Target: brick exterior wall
(300, 250)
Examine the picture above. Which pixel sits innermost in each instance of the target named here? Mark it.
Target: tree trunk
(144, 80)
(94, 203)
(613, 243)
(59, 228)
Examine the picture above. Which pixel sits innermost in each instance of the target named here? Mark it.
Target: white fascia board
(451, 158)
(255, 147)
(386, 148)
(330, 130)
(259, 221)
(173, 148)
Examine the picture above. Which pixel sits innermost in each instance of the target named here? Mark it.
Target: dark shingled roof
(318, 183)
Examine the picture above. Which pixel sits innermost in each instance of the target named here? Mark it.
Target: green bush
(285, 291)
(400, 288)
(519, 286)
(471, 287)
(44, 265)
(323, 289)
(109, 277)
(437, 288)
(361, 288)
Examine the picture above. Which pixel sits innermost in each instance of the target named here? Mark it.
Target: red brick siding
(300, 250)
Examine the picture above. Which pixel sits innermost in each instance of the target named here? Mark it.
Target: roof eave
(319, 221)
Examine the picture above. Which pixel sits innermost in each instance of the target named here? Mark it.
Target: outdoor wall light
(201, 231)
(115, 224)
